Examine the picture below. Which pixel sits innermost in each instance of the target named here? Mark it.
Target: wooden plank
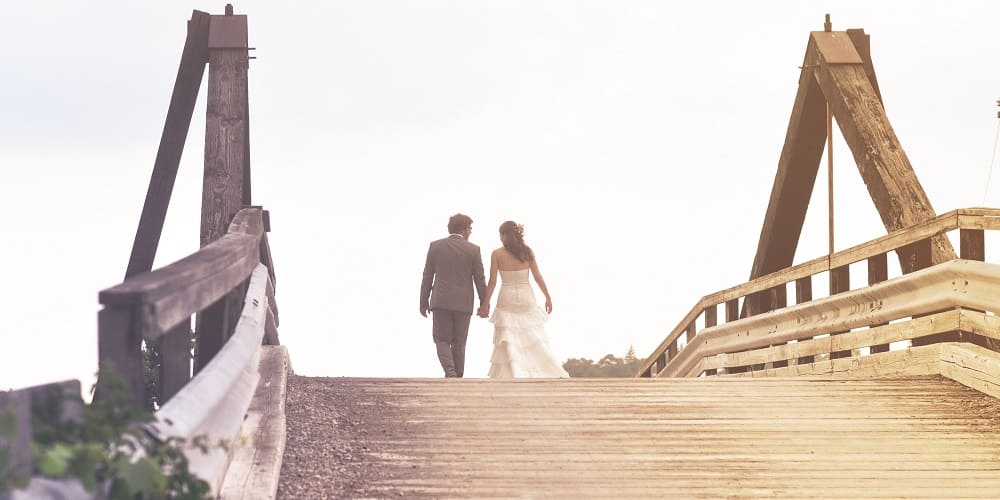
(972, 366)
(927, 325)
(214, 403)
(175, 360)
(168, 295)
(168, 155)
(884, 166)
(689, 332)
(878, 271)
(119, 347)
(978, 219)
(671, 338)
(918, 293)
(258, 451)
(830, 436)
(972, 244)
(945, 222)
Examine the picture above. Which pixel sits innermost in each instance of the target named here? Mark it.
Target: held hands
(484, 311)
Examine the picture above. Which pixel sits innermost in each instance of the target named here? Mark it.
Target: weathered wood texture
(884, 166)
(258, 450)
(793, 183)
(967, 218)
(223, 192)
(225, 132)
(148, 305)
(646, 438)
(171, 294)
(959, 283)
(168, 156)
(215, 402)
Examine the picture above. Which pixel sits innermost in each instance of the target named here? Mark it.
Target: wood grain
(649, 438)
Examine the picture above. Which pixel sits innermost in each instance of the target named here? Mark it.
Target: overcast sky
(636, 141)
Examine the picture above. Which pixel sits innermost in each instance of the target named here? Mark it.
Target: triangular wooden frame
(838, 70)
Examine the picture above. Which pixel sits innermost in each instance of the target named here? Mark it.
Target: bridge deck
(914, 437)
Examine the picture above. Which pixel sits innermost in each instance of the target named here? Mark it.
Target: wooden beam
(840, 281)
(793, 183)
(898, 196)
(168, 156)
(223, 193)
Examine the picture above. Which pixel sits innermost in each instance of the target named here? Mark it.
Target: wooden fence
(761, 332)
(157, 306)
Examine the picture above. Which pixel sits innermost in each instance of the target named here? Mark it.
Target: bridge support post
(226, 183)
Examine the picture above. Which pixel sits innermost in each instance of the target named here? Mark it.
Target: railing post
(119, 346)
(711, 315)
(175, 360)
(878, 271)
(840, 281)
(733, 310)
(804, 293)
(972, 244)
(915, 256)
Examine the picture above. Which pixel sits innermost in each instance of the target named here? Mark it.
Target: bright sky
(636, 141)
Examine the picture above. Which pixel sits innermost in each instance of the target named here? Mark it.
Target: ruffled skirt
(520, 346)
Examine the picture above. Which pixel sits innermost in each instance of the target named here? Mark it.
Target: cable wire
(989, 173)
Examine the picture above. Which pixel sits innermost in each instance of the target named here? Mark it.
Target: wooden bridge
(886, 388)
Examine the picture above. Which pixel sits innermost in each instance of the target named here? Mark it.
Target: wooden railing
(156, 307)
(773, 335)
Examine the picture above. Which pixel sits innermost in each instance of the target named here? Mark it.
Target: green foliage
(608, 366)
(101, 450)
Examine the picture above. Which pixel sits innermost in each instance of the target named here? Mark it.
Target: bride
(520, 346)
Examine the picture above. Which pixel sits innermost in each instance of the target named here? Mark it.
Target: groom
(453, 265)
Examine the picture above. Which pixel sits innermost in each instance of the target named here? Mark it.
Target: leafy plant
(108, 449)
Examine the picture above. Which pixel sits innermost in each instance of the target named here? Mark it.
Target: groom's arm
(426, 284)
(479, 278)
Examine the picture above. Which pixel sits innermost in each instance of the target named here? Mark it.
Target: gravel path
(329, 444)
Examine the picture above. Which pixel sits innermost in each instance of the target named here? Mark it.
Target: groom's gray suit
(453, 266)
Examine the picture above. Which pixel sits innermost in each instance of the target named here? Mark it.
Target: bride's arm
(541, 285)
(484, 310)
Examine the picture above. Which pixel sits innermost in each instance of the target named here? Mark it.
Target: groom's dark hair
(458, 223)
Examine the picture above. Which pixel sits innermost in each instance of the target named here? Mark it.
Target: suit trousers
(451, 330)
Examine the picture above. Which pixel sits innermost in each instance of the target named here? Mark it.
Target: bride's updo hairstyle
(512, 236)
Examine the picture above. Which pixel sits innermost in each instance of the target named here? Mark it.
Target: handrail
(171, 294)
(157, 306)
(968, 219)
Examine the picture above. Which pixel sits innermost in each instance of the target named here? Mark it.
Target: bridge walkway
(793, 437)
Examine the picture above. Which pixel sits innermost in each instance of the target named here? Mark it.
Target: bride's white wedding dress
(520, 346)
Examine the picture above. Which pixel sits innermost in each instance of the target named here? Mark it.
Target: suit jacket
(453, 266)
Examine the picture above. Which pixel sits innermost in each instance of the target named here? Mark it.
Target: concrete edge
(255, 466)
